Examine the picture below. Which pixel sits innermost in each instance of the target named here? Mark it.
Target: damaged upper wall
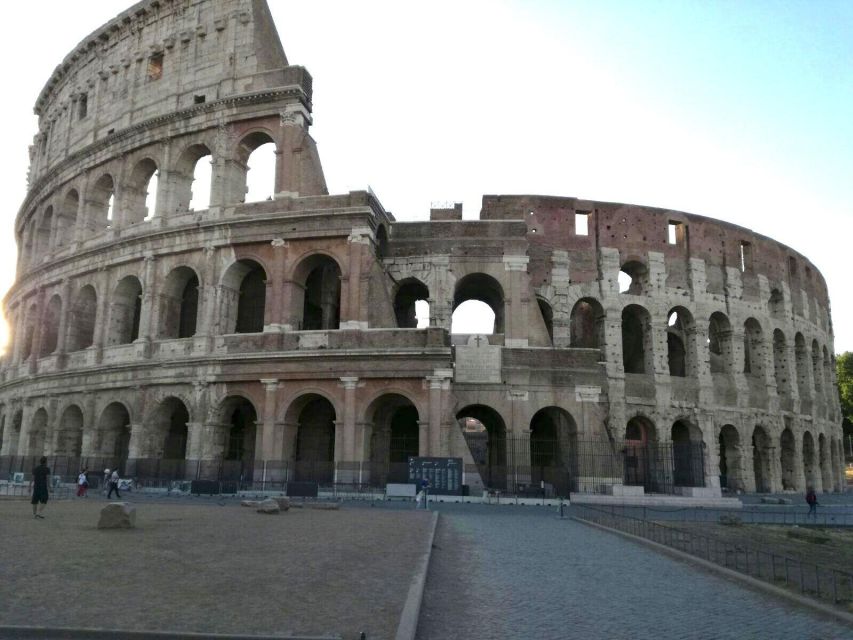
(158, 57)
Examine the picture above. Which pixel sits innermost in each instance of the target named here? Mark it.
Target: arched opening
(825, 463)
(553, 451)
(409, 292)
(139, 194)
(193, 179)
(81, 323)
(314, 458)
(169, 432)
(828, 373)
(485, 434)
(780, 364)
(633, 278)
(44, 243)
(240, 421)
(257, 152)
(636, 340)
(179, 304)
(720, 343)
(809, 460)
(787, 457)
(38, 434)
(640, 453)
(14, 443)
(66, 219)
(753, 348)
(731, 463)
(70, 438)
(776, 304)
(50, 326)
(244, 293)
(547, 317)
(394, 437)
(100, 204)
(587, 324)
(687, 460)
(29, 332)
(801, 361)
(481, 288)
(125, 311)
(114, 435)
(761, 460)
(320, 277)
(679, 344)
(817, 370)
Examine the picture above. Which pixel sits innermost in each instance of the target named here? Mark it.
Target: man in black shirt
(40, 487)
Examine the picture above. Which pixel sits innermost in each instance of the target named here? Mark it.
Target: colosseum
(633, 351)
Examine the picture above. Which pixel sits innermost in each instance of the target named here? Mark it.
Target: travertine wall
(160, 334)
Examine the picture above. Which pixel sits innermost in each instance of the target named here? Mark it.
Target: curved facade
(278, 338)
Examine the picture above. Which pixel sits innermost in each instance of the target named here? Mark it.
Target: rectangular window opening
(582, 223)
(199, 99)
(745, 256)
(675, 233)
(82, 107)
(155, 66)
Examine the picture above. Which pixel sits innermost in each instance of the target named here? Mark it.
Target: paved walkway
(520, 572)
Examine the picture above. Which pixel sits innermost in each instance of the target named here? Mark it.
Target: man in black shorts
(40, 487)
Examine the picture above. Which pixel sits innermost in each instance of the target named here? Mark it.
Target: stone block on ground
(117, 515)
(283, 502)
(269, 506)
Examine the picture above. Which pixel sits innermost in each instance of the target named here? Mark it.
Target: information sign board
(444, 474)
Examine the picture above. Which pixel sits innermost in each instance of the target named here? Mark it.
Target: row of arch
(147, 187)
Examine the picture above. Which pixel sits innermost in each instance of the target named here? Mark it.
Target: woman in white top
(82, 484)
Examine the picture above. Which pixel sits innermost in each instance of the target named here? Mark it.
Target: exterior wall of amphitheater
(145, 335)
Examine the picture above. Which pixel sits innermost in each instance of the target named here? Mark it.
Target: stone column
(63, 321)
(267, 451)
(102, 317)
(39, 320)
(430, 443)
(349, 384)
(354, 309)
(148, 313)
(515, 309)
(276, 318)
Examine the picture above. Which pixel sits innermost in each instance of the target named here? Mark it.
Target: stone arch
(248, 151)
(409, 292)
(314, 417)
(179, 303)
(394, 422)
(69, 441)
(239, 419)
(37, 438)
(634, 278)
(824, 463)
(81, 320)
(66, 218)
(50, 326)
(318, 293)
(125, 311)
(687, 459)
(817, 370)
(761, 453)
(168, 427)
(482, 288)
(587, 324)
(780, 363)
(753, 348)
(720, 343)
(243, 306)
(787, 454)
(30, 321)
(639, 452)
(810, 466)
(681, 353)
(554, 449)
(776, 304)
(637, 348)
(189, 170)
(485, 434)
(99, 204)
(113, 433)
(731, 459)
(44, 234)
(143, 178)
(801, 362)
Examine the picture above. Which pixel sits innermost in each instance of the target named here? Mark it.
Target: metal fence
(524, 467)
(831, 516)
(808, 578)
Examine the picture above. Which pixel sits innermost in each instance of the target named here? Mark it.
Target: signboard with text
(444, 474)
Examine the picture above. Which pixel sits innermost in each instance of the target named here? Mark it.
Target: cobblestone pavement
(520, 572)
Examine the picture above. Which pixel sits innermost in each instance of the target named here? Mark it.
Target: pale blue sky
(735, 110)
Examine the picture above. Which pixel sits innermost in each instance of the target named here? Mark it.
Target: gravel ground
(209, 568)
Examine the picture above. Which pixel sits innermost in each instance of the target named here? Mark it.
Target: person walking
(114, 478)
(811, 499)
(40, 488)
(106, 485)
(82, 483)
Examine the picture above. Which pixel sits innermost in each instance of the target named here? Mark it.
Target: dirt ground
(209, 568)
(835, 554)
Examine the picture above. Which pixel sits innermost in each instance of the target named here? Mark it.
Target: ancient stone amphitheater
(633, 349)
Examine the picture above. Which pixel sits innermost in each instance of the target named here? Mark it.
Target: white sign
(478, 362)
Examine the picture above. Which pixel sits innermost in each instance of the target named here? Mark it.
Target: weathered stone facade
(283, 331)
